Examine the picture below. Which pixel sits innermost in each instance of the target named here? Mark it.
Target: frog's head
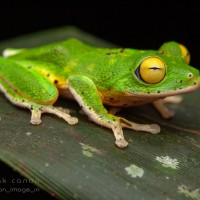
(163, 73)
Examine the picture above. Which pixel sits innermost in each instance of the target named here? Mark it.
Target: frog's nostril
(190, 75)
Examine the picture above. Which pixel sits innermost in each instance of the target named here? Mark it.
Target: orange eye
(185, 53)
(152, 70)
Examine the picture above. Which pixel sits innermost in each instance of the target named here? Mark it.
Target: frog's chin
(160, 94)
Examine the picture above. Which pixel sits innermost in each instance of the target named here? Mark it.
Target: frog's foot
(173, 99)
(36, 117)
(151, 128)
(162, 109)
(116, 127)
(37, 110)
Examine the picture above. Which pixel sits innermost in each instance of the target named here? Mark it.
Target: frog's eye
(185, 53)
(151, 70)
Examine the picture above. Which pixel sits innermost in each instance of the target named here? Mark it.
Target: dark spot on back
(111, 53)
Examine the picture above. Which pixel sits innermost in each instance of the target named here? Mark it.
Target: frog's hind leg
(36, 109)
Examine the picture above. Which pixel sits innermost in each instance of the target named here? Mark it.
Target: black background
(136, 24)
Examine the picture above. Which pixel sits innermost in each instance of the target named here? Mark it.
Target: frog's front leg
(86, 94)
(173, 99)
(162, 108)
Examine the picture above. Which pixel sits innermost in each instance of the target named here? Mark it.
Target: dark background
(136, 24)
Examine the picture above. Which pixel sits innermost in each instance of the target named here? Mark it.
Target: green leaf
(82, 162)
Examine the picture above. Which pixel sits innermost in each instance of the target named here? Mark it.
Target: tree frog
(119, 77)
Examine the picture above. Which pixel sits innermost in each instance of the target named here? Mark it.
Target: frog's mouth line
(161, 94)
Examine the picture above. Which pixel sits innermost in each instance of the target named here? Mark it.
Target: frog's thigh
(35, 108)
(84, 91)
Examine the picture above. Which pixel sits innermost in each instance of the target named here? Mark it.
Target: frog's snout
(199, 77)
(190, 75)
(194, 77)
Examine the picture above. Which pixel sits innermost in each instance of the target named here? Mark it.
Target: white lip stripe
(165, 94)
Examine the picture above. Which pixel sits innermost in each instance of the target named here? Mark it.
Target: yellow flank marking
(56, 80)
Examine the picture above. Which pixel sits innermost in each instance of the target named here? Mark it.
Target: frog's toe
(35, 121)
(36, 117)
(59, 112)
(72, 120)
(153, 128)
(169, 114)
(122, 143)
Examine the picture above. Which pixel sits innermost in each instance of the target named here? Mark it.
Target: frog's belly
(114, 99)
(126, 101)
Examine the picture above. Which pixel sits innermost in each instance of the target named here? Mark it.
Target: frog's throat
(161, 94)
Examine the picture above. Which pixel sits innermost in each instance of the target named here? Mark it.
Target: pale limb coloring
(173, 99)
(36, 109)
(162, 108)
(85, 93)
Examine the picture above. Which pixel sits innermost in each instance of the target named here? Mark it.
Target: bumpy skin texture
(33, 78)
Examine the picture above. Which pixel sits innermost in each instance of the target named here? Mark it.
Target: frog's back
(60, 60)
(58, 52)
